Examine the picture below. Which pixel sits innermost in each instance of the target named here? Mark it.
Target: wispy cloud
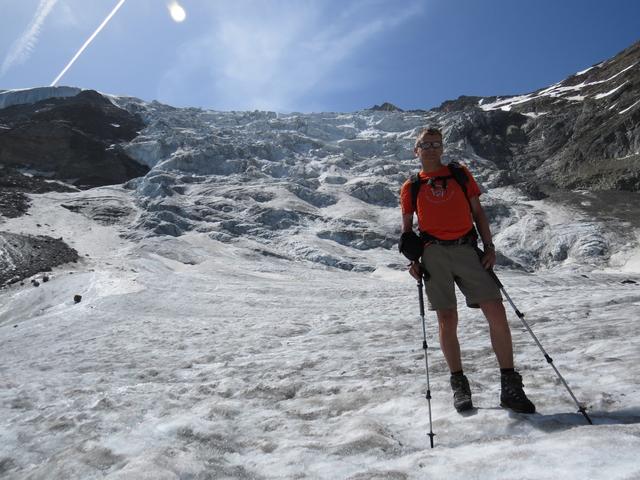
(271, 55)
(22, 48)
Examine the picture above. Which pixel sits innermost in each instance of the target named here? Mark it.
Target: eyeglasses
(427, 145)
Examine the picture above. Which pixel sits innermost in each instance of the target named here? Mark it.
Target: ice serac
(29, 96)
(324, 187)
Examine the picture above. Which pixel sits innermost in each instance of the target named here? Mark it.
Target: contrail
(24, 45)
(86, 44)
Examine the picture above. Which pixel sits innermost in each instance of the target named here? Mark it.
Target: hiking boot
(512, 395)
(461, 393)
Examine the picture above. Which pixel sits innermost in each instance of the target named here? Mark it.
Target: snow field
(242, 366)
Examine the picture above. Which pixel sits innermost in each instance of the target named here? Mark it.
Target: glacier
(245, 314)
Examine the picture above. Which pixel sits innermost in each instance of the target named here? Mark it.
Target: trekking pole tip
(583, 411)
(431, 435)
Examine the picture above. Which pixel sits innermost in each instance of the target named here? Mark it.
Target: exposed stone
(74, 138)
(26, 255)
(374, 192)
(104, 210)
(386, 107)
(533, 190)
(581, 133)
(14, 185)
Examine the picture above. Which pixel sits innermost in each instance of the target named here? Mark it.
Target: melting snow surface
(189, 358)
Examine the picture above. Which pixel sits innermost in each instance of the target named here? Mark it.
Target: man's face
(428, 152)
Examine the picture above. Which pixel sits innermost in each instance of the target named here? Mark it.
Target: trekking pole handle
(495, 278)
(420, 294)
(421, 298)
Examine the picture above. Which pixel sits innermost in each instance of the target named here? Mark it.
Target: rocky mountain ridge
(583, 132)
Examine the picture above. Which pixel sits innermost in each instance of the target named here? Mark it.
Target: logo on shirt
(439, 191)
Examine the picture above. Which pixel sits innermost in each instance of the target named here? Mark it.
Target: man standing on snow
(447, 246)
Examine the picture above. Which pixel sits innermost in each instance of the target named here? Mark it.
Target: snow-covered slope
(203, 347)
(192, 358)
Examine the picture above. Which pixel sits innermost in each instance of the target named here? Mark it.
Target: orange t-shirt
(442, 210)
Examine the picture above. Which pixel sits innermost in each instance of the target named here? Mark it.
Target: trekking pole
(520, 315)
(426, 357)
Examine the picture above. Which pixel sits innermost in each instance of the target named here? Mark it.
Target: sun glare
(177, 12)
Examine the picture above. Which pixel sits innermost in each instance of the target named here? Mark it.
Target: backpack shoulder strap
(415, 189)
(459, 175)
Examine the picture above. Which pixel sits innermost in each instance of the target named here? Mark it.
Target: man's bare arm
(407, 222)
(489, 258)
(481, 220)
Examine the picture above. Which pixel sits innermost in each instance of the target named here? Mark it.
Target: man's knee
(492, 306)
(494, 312)
(448, 318)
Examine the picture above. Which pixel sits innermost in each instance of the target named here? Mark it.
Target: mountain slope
(583, 132)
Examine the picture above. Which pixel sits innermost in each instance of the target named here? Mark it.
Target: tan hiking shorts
(459, 264)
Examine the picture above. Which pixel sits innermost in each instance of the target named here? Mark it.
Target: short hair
(428, 131)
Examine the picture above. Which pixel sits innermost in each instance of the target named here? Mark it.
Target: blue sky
(311, 55)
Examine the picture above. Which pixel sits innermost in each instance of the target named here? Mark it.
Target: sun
(177, 12)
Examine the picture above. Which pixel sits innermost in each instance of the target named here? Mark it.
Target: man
(445, 220)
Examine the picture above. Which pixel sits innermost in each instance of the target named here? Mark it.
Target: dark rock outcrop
(463, 102)
(24, 255)
(14, 185)
(386, 107)
(583, 132)
(373, 192)
(73, 139)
